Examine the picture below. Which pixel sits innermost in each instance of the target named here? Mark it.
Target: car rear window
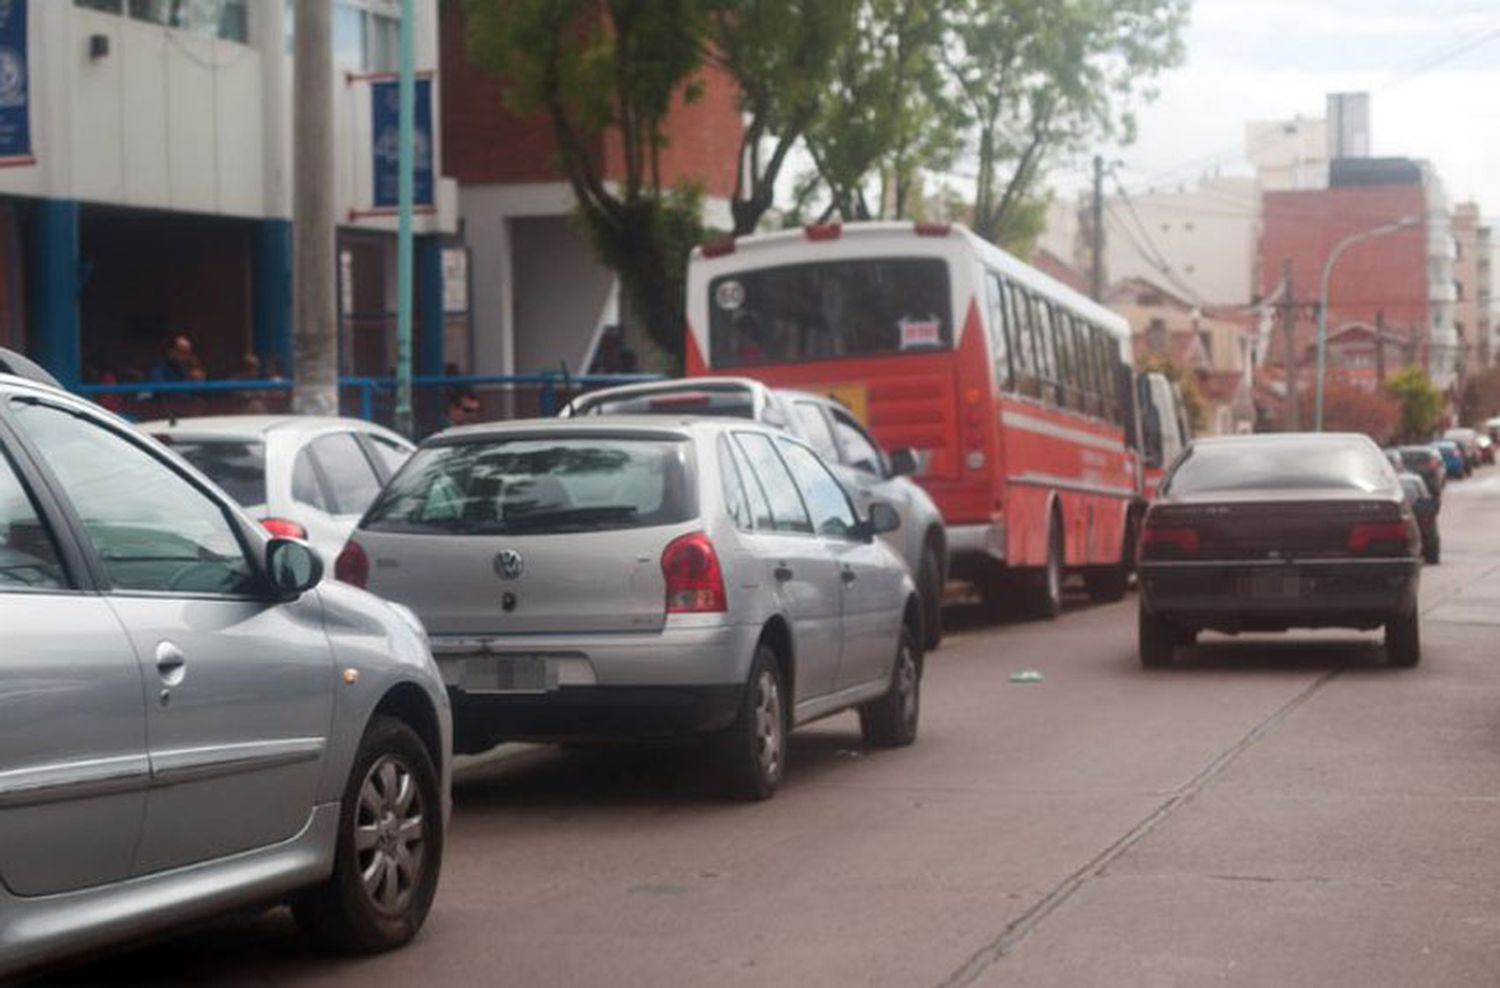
(238, 466)
(539, 486)
(1291, 464)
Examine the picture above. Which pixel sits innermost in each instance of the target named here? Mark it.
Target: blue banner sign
(385, 108)
(15, 82)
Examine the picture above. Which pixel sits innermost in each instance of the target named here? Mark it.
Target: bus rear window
(830, 309)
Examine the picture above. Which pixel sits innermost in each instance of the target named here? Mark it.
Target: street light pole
(404, 195)
(1402, 224)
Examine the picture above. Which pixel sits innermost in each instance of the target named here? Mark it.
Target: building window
(226, 19)
(366, 34)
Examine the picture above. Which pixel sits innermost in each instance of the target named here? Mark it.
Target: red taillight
(695, 583)
(282, 528)
(928, 228)
(823, 231)
(352, 566)
(1158, 543)
(722, 247)
(1388, 536)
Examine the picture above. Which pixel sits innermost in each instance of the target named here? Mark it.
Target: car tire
(891, 721)
(1047, 596)
(393, 807)
(1157, 640)
(930, 587)
(1403, 640)
(752, 751)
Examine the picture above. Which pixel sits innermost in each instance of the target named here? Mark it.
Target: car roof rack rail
(13, 363)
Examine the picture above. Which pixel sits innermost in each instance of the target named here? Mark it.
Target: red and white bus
(1016, 391)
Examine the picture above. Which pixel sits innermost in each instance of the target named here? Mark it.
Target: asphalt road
(1274, 812)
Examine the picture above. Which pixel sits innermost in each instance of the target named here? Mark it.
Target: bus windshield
(830, 309)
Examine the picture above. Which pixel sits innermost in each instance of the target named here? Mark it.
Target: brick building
(1402, 281)
(541, 299)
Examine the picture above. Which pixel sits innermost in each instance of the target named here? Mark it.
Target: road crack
(1017, 930)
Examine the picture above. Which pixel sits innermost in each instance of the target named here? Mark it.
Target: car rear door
(73, 765)
(239, 689)
(797, 561)
(870, 603)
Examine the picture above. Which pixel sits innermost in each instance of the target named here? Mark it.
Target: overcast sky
(1273, 59)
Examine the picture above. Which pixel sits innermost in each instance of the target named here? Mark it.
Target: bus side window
(1019, 322)
(1104, 367)
(1084, 351)
(999, 335)
(1067, 372)
(1047, 356)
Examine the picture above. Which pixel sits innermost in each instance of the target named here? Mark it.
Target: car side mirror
(903, 462)
(294, 568)
(883, 519)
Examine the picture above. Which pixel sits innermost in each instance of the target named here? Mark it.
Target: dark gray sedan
(1273, 532)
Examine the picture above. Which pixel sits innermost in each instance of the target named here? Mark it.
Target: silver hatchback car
(866, 471)
(647, 577)
(189, 722)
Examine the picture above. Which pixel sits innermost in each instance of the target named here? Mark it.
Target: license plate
(1275, 584)
(509, 674)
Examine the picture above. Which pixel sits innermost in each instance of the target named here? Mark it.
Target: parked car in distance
(302, 476)
(1453, 458)
(193, 723)
(1424, 461)
(1425, 506)
(647, 577)
(865, 470)
(1468, 441)
(1278, 531)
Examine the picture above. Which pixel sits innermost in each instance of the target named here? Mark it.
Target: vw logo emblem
(509, 564)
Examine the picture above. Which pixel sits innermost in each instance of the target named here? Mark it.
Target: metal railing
(502, 396)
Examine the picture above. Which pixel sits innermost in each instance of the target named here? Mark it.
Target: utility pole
(315, 366)
(1096, 232)
(1293, 418)
(404, 185)
(1379, 349)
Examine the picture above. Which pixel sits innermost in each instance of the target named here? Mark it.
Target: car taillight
(695, 583)
(352, 566)
(283, 528)
(1399, 537)
(1169, 542)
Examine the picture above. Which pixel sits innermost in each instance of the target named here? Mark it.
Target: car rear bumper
(483, 720)
(1276, 595)
(685, 679)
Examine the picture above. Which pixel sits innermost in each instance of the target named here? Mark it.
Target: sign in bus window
(830, 309)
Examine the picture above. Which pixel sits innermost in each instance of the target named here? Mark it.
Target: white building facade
(155, 195)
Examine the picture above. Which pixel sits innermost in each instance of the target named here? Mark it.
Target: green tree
(885, 116)
(783, 56)
(1421, 403)
(605, 71)
(1033, 78)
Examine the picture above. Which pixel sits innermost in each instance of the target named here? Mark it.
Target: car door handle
(171, 664)
(849, 575)
(783, 573)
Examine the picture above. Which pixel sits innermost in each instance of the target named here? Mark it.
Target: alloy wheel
(769, 725)
(389, 835)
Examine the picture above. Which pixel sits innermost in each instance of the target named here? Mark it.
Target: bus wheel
(1047, 595)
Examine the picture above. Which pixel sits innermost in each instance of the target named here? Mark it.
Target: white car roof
(261, 425)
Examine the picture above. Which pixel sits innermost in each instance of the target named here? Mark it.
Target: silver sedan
(647, 577)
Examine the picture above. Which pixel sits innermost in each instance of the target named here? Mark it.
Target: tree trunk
(315, 365)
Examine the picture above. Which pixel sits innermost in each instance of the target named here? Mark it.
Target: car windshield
(830, 309)
(238, 466)
(1297, 464)
(539, 486)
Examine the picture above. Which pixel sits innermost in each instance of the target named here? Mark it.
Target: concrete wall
(560, 293)
(1206, 235)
